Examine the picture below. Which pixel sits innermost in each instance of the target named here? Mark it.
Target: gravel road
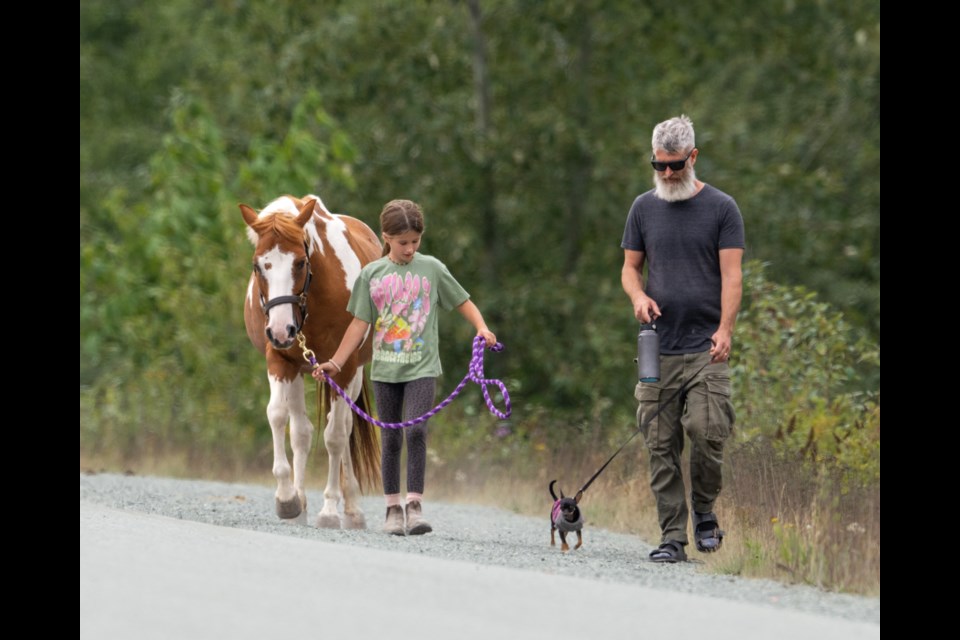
(482, 538)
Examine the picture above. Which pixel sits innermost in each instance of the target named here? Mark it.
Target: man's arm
(631, 277)
(731, 293)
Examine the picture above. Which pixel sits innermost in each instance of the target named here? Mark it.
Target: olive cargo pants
(704, 412)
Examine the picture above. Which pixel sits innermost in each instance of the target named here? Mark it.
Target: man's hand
(722, 340)
(645, 309)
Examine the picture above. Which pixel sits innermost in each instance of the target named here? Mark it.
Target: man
(690, 237)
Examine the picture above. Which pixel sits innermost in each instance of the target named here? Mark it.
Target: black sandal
(706, 532)
(669, 551)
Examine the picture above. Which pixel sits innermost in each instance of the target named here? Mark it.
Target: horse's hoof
(328, 521)
(289, 509)
(354, 521)
(299, 521)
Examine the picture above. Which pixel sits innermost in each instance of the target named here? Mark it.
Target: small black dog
(565, 517)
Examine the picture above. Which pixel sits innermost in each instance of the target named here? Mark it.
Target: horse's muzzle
(282, 344)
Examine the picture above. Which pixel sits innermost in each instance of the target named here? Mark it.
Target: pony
(305, 262)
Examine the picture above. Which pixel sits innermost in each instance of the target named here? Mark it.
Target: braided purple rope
(474, 374)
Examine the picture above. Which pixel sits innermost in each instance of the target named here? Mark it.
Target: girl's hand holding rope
(488, 337)
(329, 368)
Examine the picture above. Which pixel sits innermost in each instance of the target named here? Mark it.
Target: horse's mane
(278, 219)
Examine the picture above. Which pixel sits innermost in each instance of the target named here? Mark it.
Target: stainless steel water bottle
(648, 353)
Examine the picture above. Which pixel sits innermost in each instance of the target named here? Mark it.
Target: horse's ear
(249, 215)
(306, 211)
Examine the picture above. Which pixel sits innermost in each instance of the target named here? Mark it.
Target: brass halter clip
(308, 354)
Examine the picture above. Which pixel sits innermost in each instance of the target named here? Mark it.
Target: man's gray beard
(670, 191)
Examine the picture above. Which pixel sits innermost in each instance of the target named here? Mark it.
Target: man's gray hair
(674, 135)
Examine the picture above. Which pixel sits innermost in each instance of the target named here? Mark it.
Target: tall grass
(802, 521)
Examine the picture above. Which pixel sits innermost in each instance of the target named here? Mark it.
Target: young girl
(398, 296)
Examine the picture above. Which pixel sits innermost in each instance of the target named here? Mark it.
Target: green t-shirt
(400, 303)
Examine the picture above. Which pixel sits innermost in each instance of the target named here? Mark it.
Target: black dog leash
(647, 421)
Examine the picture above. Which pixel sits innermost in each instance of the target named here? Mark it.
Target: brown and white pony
(304, 266)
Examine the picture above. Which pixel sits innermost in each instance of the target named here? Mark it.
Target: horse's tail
(365, 443)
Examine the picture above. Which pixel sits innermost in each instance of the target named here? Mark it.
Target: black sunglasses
(675, 165)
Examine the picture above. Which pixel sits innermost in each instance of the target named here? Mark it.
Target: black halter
(299, 299)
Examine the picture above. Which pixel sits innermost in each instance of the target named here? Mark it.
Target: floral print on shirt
(403, 305)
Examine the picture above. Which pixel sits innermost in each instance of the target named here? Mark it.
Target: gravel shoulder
(467, 533)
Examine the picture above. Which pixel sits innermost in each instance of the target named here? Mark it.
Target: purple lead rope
(475, 374)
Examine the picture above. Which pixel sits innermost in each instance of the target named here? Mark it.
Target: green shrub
(806, 379)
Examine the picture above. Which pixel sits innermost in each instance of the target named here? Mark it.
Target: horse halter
(299, 299)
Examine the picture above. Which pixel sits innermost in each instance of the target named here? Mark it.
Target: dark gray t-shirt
(681, 242)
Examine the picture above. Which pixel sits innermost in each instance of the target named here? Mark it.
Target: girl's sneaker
(394, 521)
(416, 525)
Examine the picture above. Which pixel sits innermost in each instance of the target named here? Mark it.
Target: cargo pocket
(649, 397)
(720, 413)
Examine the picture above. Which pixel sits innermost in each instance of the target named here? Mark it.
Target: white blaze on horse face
(277, 269)
(279, 276)
(336, 232)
